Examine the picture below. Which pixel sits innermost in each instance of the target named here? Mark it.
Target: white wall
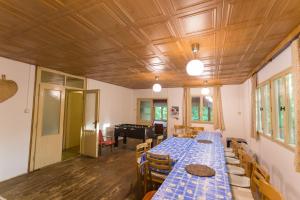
(115, 104)
(174, 96)
(232, 99)
(278, 160)
(232, 103)
(15, 124)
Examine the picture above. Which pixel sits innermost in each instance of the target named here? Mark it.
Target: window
(150, 110)
(275, 109)
(145, 110)
(284, 109)
(267, 123)
(160, 112)
(202, 109)
(279, 108)
(291, 110)
(263, 110)
(259, 110)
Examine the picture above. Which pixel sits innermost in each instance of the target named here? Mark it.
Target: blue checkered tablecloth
(173, 146)
(181, 185)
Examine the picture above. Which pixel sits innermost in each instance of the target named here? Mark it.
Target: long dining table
(184, 151)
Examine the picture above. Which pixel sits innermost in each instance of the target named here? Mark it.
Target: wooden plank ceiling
(128, 42)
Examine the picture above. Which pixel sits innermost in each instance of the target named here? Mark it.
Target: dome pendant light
(195, 67)
(205, 90)
(156, 87)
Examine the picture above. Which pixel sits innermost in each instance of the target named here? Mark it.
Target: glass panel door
(49, 125)
(89, 137)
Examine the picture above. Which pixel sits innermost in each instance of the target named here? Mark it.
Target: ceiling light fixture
(156, 87)
(195, 67)
(205, 90)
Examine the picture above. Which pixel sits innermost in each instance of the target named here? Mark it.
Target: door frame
(34, 122)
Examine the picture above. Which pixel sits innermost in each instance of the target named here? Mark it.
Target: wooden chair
(159, 139)
(258, 174)
(108, 142)
(236, 170)
(235, 146)
(233, 160)
(177, 128)
(197, 128)
(149, 195)
(268, 192)
(157, 168)
(139, 150)
(149, 142)
(158, 129)
(246, 162)
(140, 167)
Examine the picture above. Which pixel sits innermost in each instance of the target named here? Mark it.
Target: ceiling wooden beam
(280, 47)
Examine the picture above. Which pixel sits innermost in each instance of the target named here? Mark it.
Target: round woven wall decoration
(200, 170)
(8, 88)
(204, 141)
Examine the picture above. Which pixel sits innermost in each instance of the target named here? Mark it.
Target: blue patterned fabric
(174, 146)
(181, 185)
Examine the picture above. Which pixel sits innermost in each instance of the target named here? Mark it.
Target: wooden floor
(112, 176)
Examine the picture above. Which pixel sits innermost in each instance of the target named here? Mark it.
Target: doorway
(65, 119)
(73, 124)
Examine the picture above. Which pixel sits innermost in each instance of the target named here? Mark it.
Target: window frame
(152, 114)
(273, 137)
(200, 121)
(263, 106)
(259, 90)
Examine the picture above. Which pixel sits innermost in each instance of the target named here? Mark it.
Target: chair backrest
(235, 146)
(149, 142)
(198, 128)
(160, 164)
(246, 161)
(140, 149)
(159, 129)
(177, 128)
(194, 131)
(268, 192)
(159, 139)
(100, 137)
(258, 174)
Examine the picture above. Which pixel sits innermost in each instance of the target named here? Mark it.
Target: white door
(89, 135)
(49, 125)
